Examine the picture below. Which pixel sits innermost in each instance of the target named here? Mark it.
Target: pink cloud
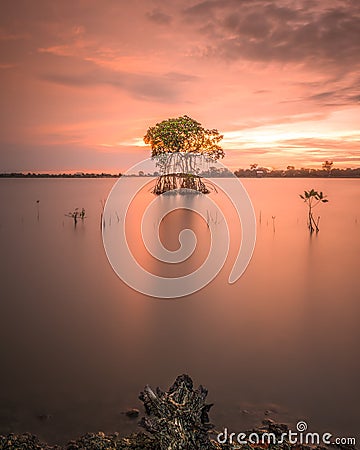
(91, 76)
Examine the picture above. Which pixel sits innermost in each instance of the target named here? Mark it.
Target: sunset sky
(82, 80)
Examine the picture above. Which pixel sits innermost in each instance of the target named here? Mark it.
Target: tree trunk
(169, 182)
(178, 419)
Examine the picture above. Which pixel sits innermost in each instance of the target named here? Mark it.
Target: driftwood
(172, 181)
(178, 419)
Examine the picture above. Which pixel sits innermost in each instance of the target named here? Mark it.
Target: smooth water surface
(77, 344)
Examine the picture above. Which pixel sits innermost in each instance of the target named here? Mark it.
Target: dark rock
(268, 422)
(132, 413)
(276, 428)
(24, 441)
(44, 417)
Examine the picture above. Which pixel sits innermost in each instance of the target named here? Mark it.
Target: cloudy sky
(82, 80)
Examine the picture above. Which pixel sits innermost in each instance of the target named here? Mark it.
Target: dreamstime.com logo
(301, 437)
(115, 228)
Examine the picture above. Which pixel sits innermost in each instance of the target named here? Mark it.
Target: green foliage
(312, 198)
(183, 134)
(311, 195)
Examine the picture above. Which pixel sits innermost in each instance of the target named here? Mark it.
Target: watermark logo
(115, 228)
(299, 437)
(301, 426)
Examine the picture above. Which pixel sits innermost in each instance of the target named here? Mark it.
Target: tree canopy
(184, 134)
(327, 165)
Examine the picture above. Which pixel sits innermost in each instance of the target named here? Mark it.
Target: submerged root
(170, 182)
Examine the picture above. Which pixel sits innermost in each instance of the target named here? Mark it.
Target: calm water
(78, 344)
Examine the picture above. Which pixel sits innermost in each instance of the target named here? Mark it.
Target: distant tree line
(326, 171)
(254, 171)
(59, 175)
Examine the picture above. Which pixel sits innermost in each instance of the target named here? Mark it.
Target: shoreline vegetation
(176, 419)
(214, 172)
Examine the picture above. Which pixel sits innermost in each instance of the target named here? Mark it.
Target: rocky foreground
(174, 420)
